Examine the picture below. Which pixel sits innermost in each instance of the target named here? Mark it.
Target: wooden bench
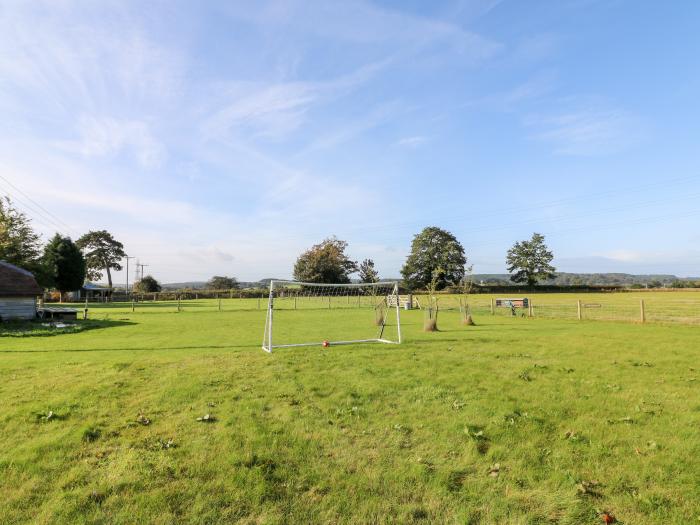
(407, 302)
(521, 302)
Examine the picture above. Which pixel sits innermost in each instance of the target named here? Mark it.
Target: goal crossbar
(388, 300)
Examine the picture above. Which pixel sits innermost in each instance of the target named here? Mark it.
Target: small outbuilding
(91, 292)
(18, 293)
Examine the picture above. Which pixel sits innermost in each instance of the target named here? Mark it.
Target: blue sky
(226, 137)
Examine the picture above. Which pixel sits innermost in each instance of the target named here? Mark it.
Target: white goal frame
(268, 345)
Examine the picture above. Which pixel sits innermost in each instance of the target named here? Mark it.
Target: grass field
(513, 421)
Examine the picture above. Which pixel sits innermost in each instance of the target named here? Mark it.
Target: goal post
(310, 314)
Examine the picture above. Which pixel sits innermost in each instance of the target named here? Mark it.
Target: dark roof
(15, 281)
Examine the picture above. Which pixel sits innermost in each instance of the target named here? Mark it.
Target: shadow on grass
(37, 328)
(134, 349)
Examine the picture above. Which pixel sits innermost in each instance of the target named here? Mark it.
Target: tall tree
(64, 264)
(219, 282)
(19, 244)
(147, 285)
(434, 252)
(325, 263)
(102, 253)
(530, 261)
(368, 274)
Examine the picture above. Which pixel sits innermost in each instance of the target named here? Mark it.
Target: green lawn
(513, 421)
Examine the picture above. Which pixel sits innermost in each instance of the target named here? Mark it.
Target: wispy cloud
(588, 131)
(109, 137)
(361, 22)
(262, 111)
(274, 110)
(532, 89)
(624, 255)
(412, 142)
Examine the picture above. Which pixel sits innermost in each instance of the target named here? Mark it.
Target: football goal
(309, 314)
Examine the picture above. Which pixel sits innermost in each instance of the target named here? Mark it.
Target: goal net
(308, 314)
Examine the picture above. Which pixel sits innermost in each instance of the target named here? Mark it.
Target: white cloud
(275, 110)
(261, 110)
(63, 56)
(364, 23)
(346, 131)
(108, 137)
(624, 255)
(588, 131)
(412, 142)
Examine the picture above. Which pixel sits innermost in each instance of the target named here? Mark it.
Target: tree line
(436, 260)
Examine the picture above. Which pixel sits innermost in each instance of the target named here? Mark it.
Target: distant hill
(503, 279)
(201, 285)
(587, 279)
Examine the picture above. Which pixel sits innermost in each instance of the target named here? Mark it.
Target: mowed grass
(512, 421)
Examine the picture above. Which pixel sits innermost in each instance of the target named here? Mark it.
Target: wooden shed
(18, 293)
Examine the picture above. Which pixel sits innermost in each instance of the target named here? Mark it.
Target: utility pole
(127, 273)
(142, 267)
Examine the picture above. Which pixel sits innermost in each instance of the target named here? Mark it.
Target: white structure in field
(333, 314)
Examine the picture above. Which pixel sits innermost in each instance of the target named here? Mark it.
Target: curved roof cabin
(18, 293)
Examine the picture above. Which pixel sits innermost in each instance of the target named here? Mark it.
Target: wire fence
(614, 307)
(660, 308)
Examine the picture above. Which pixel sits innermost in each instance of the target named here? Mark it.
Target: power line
(33, 214)
(49, 214)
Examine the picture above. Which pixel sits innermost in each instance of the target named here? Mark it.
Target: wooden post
(295, 302)
(492, 310)
(219, 298)
(529, 308)
(358, 300)
(329, 302)
(578, 307)
(642, 313)
(178, 303)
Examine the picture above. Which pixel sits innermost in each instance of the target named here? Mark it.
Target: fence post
(219, 298)
(230, 293)
(178, 303)
(642, 313)
(329, 302)
(578, 306)
(492, 310)
(258, 303)
(529, 308)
